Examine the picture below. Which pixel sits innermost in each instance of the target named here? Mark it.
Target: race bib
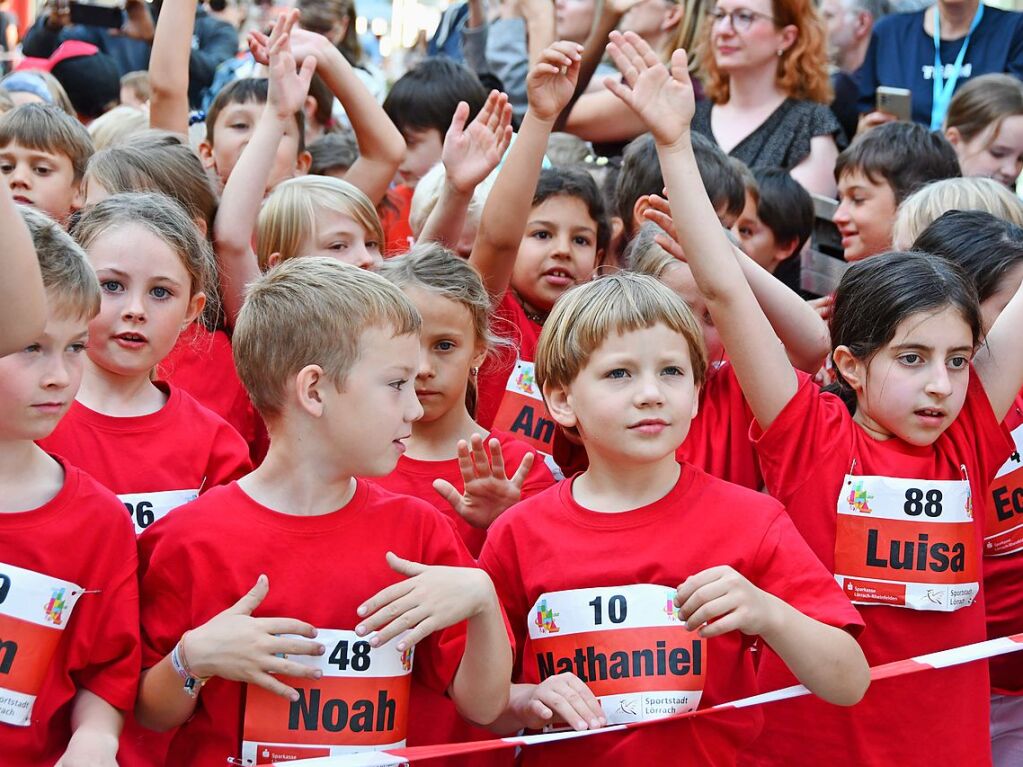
(34, 609)
(523, 411)
(146, 508)
(626, 643)
(1005, 512)
(906, 543)
(359, 704)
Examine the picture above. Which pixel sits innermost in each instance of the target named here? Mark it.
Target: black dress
(783, 139)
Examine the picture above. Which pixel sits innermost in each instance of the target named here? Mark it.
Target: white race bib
(146, 508)
(1005, 512)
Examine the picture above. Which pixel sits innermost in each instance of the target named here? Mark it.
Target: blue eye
(673, 370)
(160, 293)
(617, 373)
(111, 286)
(444, 346)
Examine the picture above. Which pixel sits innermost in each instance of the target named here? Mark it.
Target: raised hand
(662, 96)
(471, 152)
(488, 489)
(551, 82)
(720, 599)
(432, 598)
(303, 45)
(658, 211)
(288, 88)
(234, 645)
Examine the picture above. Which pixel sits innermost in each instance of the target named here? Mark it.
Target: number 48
(359, 658)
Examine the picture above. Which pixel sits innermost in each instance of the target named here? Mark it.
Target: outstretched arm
(22, 298)
(550, 86)
(999, 361)
(664, 99)
(168, 67)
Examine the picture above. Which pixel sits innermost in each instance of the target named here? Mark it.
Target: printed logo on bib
(906, 543)
(1005, 512)
(359, 704)
(34, 610)
(626, 643)
(146, 508)
(523, 412)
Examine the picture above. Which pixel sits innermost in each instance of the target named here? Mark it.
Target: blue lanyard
(943, 89)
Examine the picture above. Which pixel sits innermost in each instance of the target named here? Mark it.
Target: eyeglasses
(741, 18)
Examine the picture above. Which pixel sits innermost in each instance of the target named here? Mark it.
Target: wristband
(180, 663)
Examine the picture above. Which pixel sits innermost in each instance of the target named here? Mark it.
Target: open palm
(471, 152)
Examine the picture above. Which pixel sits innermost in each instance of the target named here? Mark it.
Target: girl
(879, 479)
(985, 125)
(921, 208)
(446, 450)
(148, 441)
(990, 251)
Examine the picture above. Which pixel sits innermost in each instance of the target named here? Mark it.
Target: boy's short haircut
(641, 175)
(784, 206)
(246, 90)
(585, 316)
(47, 128)
(116, 126)
(427, 95)
(904, 155)
(72, 289)
(333, 151)
(311, 311)
(138, 83)
(571, 182)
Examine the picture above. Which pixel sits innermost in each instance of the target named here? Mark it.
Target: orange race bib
(34, 609)
(146, 508)
(359, 704)
(1005, 512)
(523, 412)
(906, 543)
(627, 643)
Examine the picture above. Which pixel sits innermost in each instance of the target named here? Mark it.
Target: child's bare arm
(381, 146)
(825, 659)
(168, 67)
(433, 598)
(23, 304)
(550, 86)
(232, 645)
(664, 99)
(801, 329)
(999, 360)
(95, 729)
(243, 193)
(470, 154)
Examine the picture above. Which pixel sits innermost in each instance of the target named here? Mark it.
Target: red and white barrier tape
(399, 756)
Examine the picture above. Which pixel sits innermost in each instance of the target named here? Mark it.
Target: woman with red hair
(766, 78)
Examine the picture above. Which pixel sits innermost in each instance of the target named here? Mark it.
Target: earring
(780, 52)
(474, 372)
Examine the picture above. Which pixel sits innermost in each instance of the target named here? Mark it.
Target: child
(990, 251)
(328, 354)
(43, 154)
(149, 442)
(446, 449)
(985, 126)
(880, 488)
(775, 223)
(640, 555)
(333, 154)
(879, 170)
(70, 594)
(531, 248)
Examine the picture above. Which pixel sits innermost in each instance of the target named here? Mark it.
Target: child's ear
(853, 369)
(308, 387)
(674, 16)
(206, 155)
(303, 163)
(78, 198)
(195, 306)
(559, 405)
(641, 205)
(480, 355)
(696, 403)
(275, 258)
(954, 136)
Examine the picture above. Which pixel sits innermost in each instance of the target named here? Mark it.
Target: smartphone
(895, 101)
(98, 13)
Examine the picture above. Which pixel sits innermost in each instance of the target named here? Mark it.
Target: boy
(642, 581)
(43, 155)
(68, 588)
(879, 170)
(316, 343)
(776, 222)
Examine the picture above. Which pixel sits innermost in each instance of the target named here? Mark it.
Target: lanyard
(943, 89)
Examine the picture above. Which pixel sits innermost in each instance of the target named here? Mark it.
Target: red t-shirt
(1003, 574)
(394, 218)
(942, 716)
(82, 537)
(415, 478)
(549, 544)
(201, 559)
(202, 364)
(154, 462)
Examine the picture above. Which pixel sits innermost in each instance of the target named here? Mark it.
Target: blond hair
(72, 289)
(688, 33)
(46, 128)
(311, 311)
(585, 316)
(289, 216)
(924, 206)
(117, 125)
(428, 192)
(644, 256)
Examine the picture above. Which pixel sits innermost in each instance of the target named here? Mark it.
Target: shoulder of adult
(894, 25)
